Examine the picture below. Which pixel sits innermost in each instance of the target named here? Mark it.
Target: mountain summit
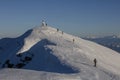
(55, 53)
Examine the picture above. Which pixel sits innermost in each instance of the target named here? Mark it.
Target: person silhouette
(73, 40)
(95, 62)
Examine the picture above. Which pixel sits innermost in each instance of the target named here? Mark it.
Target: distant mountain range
(112, 42)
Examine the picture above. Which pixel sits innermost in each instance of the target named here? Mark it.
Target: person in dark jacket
(95, 62)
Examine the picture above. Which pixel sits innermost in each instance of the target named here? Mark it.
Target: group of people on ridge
(95, 60)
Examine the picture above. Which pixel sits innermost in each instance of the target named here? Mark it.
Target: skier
(95, 62)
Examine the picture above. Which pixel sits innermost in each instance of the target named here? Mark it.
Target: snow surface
(56, 55)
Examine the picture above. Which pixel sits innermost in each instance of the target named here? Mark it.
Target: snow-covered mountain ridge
(50, 50)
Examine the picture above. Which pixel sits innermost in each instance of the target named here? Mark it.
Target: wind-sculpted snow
(44, 60)
(21, 74)
(51, 54)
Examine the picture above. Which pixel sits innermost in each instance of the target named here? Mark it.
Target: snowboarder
(95, 62)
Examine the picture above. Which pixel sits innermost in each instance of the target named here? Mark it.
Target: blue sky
(78, 17)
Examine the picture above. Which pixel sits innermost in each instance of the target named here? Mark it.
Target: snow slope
(17, 74)
(55, 55)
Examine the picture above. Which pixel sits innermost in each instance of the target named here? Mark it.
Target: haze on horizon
(78, 17)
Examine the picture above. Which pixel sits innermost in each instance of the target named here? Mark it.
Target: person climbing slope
(95, 62)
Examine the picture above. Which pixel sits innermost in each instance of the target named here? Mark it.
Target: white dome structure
(44, 23)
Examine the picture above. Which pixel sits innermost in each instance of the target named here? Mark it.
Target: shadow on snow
(44, 60)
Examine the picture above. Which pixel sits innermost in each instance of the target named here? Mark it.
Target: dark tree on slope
(8, 64)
